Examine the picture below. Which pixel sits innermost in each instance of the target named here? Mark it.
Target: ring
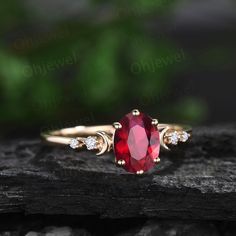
(136, 140)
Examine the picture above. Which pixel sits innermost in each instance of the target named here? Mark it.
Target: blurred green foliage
(65, 69)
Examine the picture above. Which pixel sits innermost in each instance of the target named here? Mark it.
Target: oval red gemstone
(137, 143)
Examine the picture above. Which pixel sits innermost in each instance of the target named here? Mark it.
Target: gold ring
(136, 140)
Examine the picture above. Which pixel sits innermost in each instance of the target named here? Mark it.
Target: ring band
(136, 139)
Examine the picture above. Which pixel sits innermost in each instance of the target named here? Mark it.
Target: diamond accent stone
(174, 138)
(91, 143)
(74, 143)
(184, 136)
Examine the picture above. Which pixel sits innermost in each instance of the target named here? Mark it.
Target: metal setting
(163, 140)
(117, 125)
(136, 112)
(157, 160)
(105, 144)
(121, 162)
(155, 122)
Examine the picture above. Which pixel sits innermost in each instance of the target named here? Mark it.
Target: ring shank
(64, 136)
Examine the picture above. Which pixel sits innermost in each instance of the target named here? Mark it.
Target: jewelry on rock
(136, 140)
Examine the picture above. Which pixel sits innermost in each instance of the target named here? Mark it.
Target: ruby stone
(137, 143)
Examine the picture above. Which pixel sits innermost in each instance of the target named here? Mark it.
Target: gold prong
(156, 160)
(117, 125)
(136, 112)
(140, 172)
(121, 162)
(155, 122)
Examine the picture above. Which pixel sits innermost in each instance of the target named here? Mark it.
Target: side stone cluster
(90, 143)
(174, 137)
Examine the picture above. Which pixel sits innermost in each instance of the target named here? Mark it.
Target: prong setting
(155, 122)
(136, 112)
(157, 160)
(121, 162)
(140, 172)
(117, 125)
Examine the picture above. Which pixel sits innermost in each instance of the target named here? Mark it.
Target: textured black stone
(154, 227)
(198, 181)
(170, 228)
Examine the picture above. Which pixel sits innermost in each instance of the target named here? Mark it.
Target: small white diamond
(174, 138)
(184, 136)
(74, 143)
(91, 143)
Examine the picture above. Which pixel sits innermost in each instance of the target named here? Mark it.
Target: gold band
(105, 133)
(63, 136)
(136, 140)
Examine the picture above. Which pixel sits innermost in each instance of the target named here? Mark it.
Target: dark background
(66, 63)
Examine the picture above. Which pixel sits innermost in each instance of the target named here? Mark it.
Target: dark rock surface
(154, 227)
(198, 181)
(174, 228)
